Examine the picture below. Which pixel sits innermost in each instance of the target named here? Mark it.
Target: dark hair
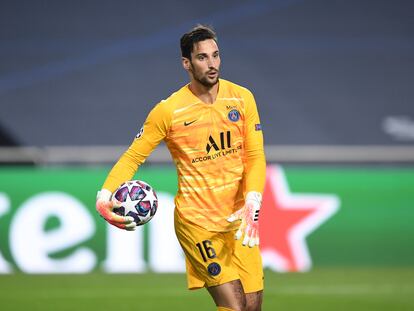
(197, 34)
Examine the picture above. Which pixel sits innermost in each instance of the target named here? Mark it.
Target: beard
(204, 80)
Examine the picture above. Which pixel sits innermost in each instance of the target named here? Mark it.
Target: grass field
(333, 289)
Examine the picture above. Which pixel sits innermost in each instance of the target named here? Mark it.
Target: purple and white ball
(137, 199)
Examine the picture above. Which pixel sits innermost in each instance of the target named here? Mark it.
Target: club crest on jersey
(234, 115)
(139, 134)
(214, 269)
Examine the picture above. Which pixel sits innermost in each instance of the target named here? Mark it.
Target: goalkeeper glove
(105, 206)
(249, 216)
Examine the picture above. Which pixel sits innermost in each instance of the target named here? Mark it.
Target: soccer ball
(137, 199)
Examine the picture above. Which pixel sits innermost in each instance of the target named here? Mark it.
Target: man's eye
(201, 58)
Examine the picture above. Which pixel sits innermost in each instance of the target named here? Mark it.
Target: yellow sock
(224, 309)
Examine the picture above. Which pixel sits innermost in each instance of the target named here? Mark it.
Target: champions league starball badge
(139, 134)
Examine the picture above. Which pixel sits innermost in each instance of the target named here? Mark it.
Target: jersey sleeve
(154, 130)
(255, 166)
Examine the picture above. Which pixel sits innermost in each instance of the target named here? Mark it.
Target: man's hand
(105, 206)
(249, 216)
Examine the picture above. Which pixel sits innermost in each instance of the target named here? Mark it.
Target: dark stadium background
(323, 72)
(333, 81)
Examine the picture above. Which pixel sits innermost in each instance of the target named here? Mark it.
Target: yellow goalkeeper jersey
(217, 149)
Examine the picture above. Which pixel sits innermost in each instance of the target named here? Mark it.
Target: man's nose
(211, 63)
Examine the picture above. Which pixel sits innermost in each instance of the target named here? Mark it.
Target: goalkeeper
(212, 129)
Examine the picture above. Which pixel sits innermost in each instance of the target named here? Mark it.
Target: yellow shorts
(214, 258)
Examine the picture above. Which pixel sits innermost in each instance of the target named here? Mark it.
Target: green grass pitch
(333, 289)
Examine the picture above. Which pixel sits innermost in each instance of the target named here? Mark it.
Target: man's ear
(186, 63)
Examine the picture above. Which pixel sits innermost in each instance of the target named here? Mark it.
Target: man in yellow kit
(212, 129)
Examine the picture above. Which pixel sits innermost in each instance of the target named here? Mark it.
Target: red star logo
(286, 219)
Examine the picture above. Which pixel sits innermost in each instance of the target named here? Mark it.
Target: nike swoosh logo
(188, 123)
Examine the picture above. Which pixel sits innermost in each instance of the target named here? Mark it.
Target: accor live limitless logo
(225, 142)
(218, 146)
